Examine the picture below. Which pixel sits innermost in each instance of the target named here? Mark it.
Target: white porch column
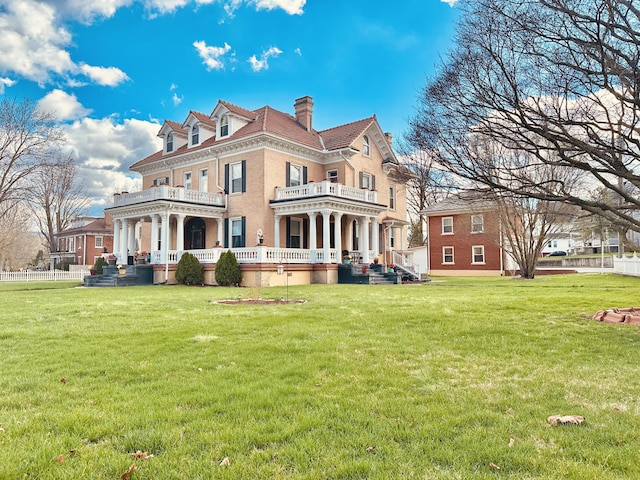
(124, 238)
(313, 244)
(131, 243)
(180, 232)
(164, 243)
(116, 236)
(276, 231)
(364, 234)
(337, 219)
(348, 233)
(326, 235)
(154, 232)
(374, 236)
(220, 231)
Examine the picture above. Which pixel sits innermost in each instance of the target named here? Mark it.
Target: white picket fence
(42, 276)
(627, 265)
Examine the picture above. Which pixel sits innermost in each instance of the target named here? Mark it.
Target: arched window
(170, 142)
(224, 126)
(195, 135)
(365, 145)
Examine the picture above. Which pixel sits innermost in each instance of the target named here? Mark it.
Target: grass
(447, 380)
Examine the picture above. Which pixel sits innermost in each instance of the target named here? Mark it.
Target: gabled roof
(344, 135)
(175, 127)
(464, 203)
(97, 226)
(270, 121)
(202, 118)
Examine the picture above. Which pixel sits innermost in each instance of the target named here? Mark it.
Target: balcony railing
(253, 255)
(165, 192)
(326, 187)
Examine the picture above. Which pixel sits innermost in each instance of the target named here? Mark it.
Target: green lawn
(453, 379)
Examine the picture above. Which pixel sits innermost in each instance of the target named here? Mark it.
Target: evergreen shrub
(227, 270)
(190, 270)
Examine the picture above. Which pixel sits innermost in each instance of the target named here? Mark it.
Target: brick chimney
(304, 111)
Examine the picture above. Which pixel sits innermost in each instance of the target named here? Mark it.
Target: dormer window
(195, 135)
(224, 126)
(366, 149)
(170, 142)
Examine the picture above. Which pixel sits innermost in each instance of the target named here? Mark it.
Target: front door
(194, 234)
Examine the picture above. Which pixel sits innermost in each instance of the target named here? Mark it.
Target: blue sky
(114, 70)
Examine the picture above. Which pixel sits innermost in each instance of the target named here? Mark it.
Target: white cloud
(6, 82)
(297, 51)
(451, 3)
(109, 76)
(105, 149)
(88, 10)
(63, 106)
(177, 100)
(211, 56)
(292, 7)
(262, 64)
(33, 45)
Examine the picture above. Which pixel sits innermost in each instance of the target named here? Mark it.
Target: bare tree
(27, 136)
(18, 245)
(559, 81)
(56, 198)
(428, 185)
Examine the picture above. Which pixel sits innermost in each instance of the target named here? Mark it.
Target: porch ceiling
(329, 202)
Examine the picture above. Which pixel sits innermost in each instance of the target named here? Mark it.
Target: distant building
(87, 239)
(464, 238)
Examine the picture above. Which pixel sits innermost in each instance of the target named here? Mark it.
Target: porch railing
(165, 192)
(42, 276)
(326, 187)
(253, 255)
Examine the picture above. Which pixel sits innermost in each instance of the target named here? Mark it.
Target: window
(237, 237)
(170, 142)
(366, 149)
(447, 255)
(203, 183)
(235, 177)
(161, 181)
(99, 242)
(478, 254)
(332, 176)
(187, 180)
(392, 198)
(367, 181)
(295, 175)
(195, 135)
(224, 126)
(392, 237)
(477, 223)
(295, 233)
(447, 225)
(235, 169)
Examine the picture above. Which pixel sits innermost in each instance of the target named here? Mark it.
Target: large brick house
(271, 188)
(464, 238)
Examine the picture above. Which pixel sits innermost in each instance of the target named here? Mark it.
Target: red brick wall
(463, 240)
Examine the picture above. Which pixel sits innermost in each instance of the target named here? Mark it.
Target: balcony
(165, 192)
(324, 188)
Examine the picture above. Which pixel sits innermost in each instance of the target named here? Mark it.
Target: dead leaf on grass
(511, 442)
(127, 475)
(60, 458)
(371, 449)
(141, 455)
(225, 462)
(494, 466)
(556, 420)
(63, 380)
